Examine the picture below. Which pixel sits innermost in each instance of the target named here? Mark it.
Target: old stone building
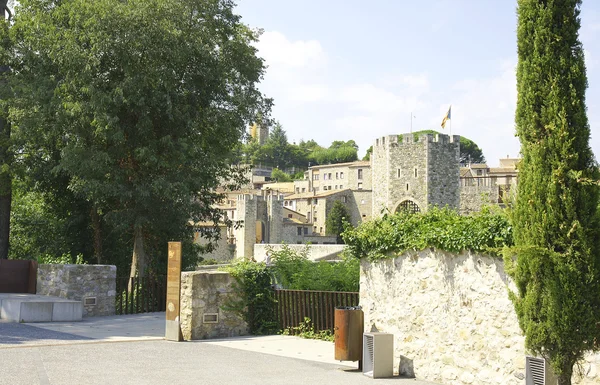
(316, 206)
(413, 174)
(404, 173)
(483, 185)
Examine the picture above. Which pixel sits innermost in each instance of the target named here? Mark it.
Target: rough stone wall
(289, 233)
(78, 282)
(223, 251)
(360, 206)
(394, 177)
(451, 318)
(315, 252)
(425, 171)
(379, 177)
(203, 294)
(443, 171)
(275, 221)
(473, 198)
(245, 235)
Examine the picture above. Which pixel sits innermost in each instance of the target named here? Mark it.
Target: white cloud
(309, 93)
(279, 52)
(377, 100)
(484, 111)
(313, 101)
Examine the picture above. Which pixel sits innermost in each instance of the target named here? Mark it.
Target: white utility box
(378, 355)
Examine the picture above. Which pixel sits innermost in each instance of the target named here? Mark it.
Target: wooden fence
(141, 295)
(294, 305)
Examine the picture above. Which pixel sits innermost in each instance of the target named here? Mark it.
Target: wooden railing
(294, 305)
(141, 295)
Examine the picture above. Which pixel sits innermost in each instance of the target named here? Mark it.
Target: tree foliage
(293, 270)
(337, 216)
(279, 153)
(557, 267)
(444, 229)
(255, 299)
(137, 106)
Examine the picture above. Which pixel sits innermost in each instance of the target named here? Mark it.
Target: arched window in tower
(408, 206)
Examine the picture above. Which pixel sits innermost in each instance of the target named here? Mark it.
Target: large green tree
(144, 100)
(557, 267)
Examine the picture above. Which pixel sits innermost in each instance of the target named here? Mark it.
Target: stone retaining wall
(203, 294)
(86, 283)
(451, 318)
(315, 252)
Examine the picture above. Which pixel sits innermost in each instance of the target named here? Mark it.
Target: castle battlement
(245, 197)
(409, 139)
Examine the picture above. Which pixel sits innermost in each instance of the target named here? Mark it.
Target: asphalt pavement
(130, 350)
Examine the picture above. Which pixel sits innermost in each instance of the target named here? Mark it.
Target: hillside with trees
(293, 158)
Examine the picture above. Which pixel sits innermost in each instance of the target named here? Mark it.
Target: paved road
(84, 353)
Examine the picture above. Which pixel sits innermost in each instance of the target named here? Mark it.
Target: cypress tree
(557, 266)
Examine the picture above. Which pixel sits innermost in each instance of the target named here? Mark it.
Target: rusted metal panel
(15, 276)
(348, 332)
(32, 284)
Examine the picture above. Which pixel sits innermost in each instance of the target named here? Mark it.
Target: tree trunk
(96, 226)
(5, 178)
(5, 182)
(565, 377)
(5, 203)
(138, 261)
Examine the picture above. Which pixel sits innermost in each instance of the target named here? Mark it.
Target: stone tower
(415, 174)
(260, 133)
(245, 234)
(262, 218)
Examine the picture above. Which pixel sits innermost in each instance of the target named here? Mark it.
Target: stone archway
(409, 206)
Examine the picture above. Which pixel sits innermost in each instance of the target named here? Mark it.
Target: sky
(356, 69)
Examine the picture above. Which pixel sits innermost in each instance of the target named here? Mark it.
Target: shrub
(255, 300)
(488, 230)
(293, 270)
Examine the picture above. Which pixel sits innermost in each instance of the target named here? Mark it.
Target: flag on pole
(447, 117)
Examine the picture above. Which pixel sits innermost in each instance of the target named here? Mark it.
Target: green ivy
(306, 330)
(486, 231)
(255, 300)
(64, 259)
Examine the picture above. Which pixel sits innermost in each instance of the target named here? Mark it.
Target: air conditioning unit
(538, 372)
(378, 355)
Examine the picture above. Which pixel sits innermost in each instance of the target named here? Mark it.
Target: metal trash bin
(348, 333)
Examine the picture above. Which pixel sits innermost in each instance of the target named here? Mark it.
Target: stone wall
(245, 233)
(315, 252)
(223, 250)
(451, 318)
(289, 232)
(473, 198)
(81, 283)
(203, 294)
